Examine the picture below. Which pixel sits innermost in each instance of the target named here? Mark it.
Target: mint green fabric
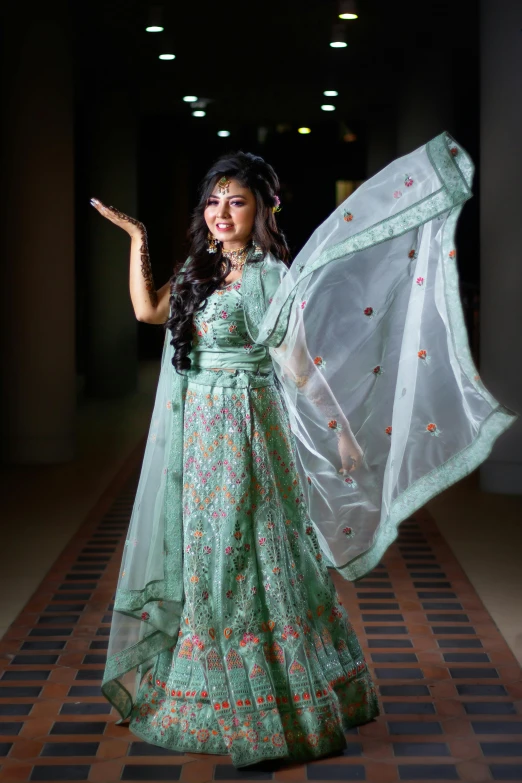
(265, 664)
(227, 633)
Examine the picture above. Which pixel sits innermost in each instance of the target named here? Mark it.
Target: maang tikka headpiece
(223, 185)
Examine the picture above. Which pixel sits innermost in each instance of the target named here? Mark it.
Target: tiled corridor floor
(450, 686)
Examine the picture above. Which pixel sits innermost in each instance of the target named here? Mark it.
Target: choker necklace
(237, 258)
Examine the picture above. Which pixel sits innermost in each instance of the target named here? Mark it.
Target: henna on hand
(146, 269)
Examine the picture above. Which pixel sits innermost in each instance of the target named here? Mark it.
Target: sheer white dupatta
(367, 336)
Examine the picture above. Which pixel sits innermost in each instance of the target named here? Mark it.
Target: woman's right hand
(132, 226)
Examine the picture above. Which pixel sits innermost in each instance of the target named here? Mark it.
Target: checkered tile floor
(451, 688)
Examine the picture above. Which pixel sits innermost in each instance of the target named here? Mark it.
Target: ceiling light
(348, 9)
(304, 131)
(223, 134)
(190, 98)
(331, 93)
(199, 113)
(338, 38)
(167, 56)
(328, 107)
(155, 20)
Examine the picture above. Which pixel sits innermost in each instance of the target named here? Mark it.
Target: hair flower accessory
(277, 205)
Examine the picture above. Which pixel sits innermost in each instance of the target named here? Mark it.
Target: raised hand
(129, 224)
(137, 232)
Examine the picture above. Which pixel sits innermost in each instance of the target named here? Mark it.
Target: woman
(225, 608)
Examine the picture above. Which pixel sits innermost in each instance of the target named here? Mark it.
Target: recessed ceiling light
(223, 133)
(155, 19)
(338, 37)
(304, 131)
(331, 93)
(348, 9)
(167, 56)
(328, 107)
(190, 98)
(199, 113)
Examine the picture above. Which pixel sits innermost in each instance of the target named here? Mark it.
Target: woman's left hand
(350, 452)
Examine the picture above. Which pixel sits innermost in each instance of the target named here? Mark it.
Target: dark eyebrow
(212, 195)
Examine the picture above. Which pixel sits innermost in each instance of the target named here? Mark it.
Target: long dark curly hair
(203, 274)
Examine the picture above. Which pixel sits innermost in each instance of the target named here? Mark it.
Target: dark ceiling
(267, 62)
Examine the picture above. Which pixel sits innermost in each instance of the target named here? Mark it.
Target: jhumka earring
(212, 243)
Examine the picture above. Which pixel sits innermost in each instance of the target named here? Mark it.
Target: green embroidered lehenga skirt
(266, 664)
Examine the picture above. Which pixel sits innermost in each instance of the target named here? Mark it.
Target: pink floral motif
(205, 595)
(288, 631)
(454, 151)
(397, 194)
(145, 615)
(408, 181)
(196, 641)
(249, 638)
(347, 531)
(202, 735)
(351, 482)
(303, 305)
(224, 314)
(262, 541)
(368, 311)
(207, 550)
(229, 594)
(420, 281)
(378, 370)
(228, 550)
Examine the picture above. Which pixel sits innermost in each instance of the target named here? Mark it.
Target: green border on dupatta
(455, 172)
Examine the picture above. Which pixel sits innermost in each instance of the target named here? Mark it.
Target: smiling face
(230, 214)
